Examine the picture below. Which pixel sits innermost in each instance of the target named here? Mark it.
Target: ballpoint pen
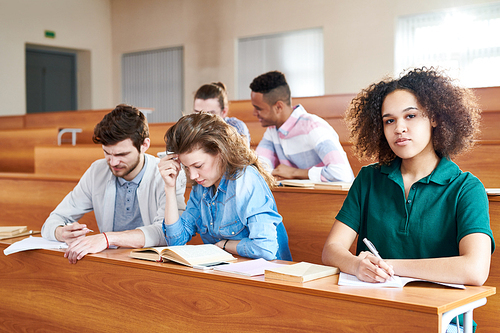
(374, 251)
(372, 248)
(66, 222)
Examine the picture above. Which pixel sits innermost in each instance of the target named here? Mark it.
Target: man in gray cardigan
(125, 190)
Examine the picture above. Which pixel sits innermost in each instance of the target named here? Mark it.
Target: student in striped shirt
(296, 144)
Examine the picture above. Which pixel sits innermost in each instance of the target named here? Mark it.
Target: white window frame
(155, 79)
(298, 54)
(463, 41)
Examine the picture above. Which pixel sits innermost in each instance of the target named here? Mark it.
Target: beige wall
(358, 37)
(358, 34)
(79, 25)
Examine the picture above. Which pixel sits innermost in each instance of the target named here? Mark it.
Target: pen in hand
(70, 223)
(374, 251)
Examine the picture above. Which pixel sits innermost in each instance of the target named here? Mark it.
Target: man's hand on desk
(71, 232)
(85, 245)
(287, 172)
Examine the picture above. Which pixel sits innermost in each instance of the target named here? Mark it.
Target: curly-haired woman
(426, 217)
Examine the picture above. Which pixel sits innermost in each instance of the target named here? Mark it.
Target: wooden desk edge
(120, 257)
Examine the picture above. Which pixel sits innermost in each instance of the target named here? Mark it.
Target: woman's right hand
(373, 269)
(169, 167)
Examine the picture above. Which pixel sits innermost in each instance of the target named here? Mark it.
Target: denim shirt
(242, 209)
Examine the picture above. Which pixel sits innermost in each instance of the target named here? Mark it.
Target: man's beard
(126, 171)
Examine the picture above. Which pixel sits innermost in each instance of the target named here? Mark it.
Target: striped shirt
(306, 141)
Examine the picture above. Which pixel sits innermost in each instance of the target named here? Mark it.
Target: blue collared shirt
(127, 212)
(242, 209)
(240, 126)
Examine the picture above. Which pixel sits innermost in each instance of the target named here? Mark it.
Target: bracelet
(107, 242)
(224, 247)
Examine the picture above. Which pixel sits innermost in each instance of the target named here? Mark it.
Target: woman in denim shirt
(231, 204)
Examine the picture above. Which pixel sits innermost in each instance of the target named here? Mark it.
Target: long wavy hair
(215, 137)
(453, 108)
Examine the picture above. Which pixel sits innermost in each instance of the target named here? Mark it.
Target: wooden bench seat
(11, 122)
(157, 133)
(17, 151)
(31, 198)
(482, 161)
(72, 161)
(84, 119)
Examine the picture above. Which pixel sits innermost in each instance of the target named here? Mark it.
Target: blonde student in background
(212, 98)
(231, 204)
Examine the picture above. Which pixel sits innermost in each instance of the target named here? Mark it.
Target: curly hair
(124, 122)
(273, 86)
(214, 136)
(454, 109)
(215, 90)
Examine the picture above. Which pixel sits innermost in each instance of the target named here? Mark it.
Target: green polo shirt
(440, 210)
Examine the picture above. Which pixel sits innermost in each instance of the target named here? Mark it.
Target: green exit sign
(50, 34)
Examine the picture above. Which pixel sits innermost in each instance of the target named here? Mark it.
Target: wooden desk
(308, 215)
(109, 292)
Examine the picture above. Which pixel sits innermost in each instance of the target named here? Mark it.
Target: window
(299, 55)
(463, 41)
(154, 79)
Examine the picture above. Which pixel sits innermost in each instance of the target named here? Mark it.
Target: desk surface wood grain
(114, 293)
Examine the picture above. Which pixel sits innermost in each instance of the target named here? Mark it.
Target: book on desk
(15, 231)
(300, 272)
(202, 255)
(7, 231)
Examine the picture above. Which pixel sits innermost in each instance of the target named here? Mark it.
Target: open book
(396, 282)
(300, 272)
(189, 255)
(307, 183)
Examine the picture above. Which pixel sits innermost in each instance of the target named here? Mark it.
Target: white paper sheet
(33, 243)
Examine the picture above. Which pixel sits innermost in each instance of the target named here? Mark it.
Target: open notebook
(396, 282)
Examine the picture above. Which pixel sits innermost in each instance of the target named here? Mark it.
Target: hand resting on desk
(283, 171)
(85, 245)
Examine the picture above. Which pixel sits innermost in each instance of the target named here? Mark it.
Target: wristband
(107, 242)
(224, 247)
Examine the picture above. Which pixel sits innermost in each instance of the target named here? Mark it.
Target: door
(50, 81)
